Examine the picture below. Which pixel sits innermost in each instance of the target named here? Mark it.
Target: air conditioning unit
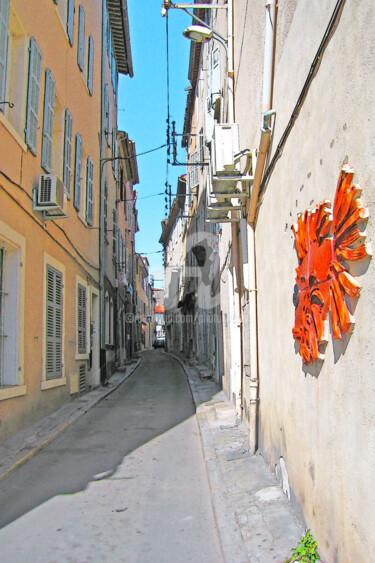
(50, 193)
(49, 197)
(225, 146)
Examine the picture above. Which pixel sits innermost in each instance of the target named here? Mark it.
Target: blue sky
(143, 112)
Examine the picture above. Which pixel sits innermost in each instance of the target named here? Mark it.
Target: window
(194, 169)
(114, 234)
(106, 114)
(105, 208)
(48, 113)
(77, 172)
(89, 190)
(54, 323)
(81, 319)
(12, 256)
(81, 38)
(70, 21)
(33, 95)
(90, 65)
(68, 140)
(122, 189)
(114, 152)
(4, 18)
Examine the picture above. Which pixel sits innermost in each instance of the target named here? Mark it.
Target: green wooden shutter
(68, 140)
(89, 190)
(33, 95)
(77, 172)
(81, 38)
(81, 319)
(90, 65)
(48, 114)
(4, 18)
(70, 21)
(54, 323)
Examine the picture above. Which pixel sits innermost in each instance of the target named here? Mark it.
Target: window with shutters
(68, 141)
(54, 323)
(107, 131)
(48, 116)
(193, 169)
(70, 20)
(105, 208)
(81, 319)
(114, 229)
(89, 190)
(14, 59)
(114, 152)
(90, 65)
(12, 283)
(33, 96)
(81, 38)
(4, 20)
(77, 172)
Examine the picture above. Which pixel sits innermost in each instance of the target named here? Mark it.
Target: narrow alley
(155, 468)
(127, 482)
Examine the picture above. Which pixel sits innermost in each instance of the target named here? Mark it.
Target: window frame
(33, 96)
(48, 119)
(68, 151)
(4, 27)
(47, 382)
(90, 64)
(77, 172)
(89, 191)
(81, 38)
(70, 21)
(15, 244)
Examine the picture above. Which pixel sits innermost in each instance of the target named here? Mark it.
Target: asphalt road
(127, 482)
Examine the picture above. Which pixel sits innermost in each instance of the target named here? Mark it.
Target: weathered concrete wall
(320, 419)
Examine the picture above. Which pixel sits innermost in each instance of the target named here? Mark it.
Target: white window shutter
(90, 65)
(33, 96)
(81, 38)
(4, 18)
(48, 114)
(68, 140)
(54, 323)
(81, 324)
(89, 190)
(70, 21)
(77, 172)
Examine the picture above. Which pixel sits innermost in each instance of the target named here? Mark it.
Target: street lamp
(198, 33)
(203, 34)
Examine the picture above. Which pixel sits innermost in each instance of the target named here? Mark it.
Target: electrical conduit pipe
(268, 64)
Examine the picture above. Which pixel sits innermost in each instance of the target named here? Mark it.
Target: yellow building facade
(50, 94)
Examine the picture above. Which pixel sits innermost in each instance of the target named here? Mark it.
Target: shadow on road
(153, 400)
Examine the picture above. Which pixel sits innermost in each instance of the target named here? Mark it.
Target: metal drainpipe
(268, 65)
(231, 115)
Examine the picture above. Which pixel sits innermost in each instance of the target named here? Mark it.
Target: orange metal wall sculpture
(324, 239)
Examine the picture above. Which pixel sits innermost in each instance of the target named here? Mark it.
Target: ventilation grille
(82, 378)
(45, 188)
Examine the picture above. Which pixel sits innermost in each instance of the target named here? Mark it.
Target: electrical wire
(313, 70)
(47, 232)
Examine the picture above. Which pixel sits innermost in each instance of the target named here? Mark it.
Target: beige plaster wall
(321, 420)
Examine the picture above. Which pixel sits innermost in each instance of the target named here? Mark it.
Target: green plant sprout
(306, 551)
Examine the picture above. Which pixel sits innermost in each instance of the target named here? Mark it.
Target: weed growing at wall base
(306, 551)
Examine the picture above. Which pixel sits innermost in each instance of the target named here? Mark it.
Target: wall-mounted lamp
(198, 33)
(203, 34)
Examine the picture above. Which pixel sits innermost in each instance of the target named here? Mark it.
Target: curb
(232, 544)
(11, 450)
